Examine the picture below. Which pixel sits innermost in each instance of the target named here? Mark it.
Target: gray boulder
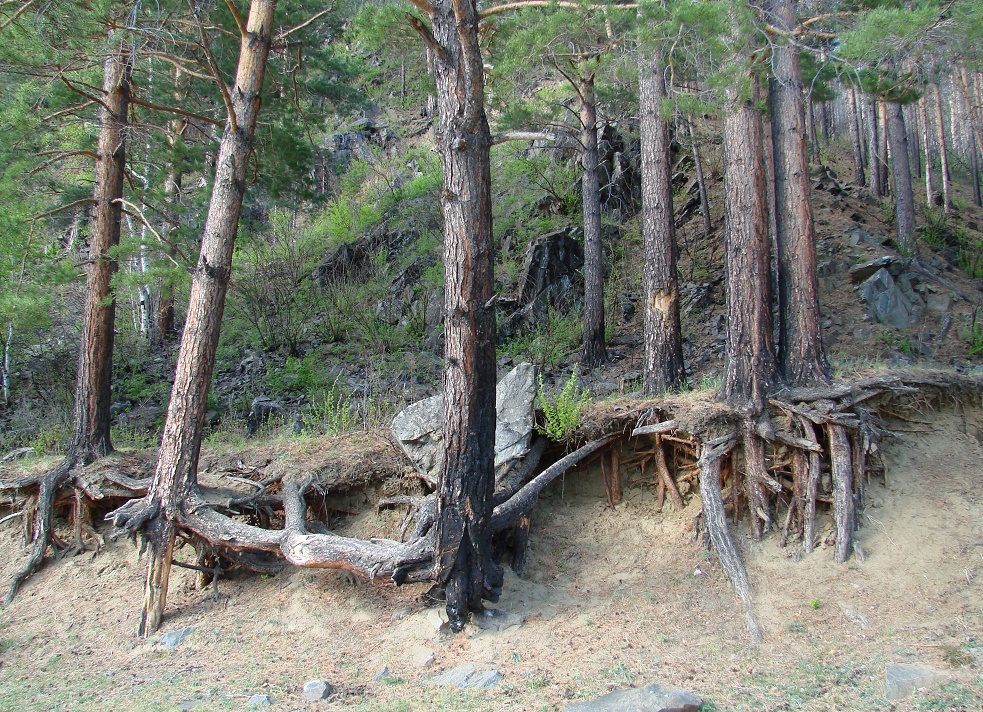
(418, 427)
(466, 676)
(892, 301)
(315, 690)
(901, 680)
(651, 698)
(175, 638)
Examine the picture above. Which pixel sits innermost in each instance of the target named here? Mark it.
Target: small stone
(317, 690)
(383, 674)
(651, 698)
(496, 619)
(484, 680)
(422, 657)
(174, 638)
(455, 677)
(400, 614)
(437, 618)
(258, 701)
(901, 680)
(185, 706)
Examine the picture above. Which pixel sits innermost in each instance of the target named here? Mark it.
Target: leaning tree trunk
(750, 361)
(175, 477)
(91, 418)
(904, 201)
(466, 484)
(594, 353)
(802, 360)
(663, 366)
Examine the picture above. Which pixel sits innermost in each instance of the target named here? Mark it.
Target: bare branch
(83, 201)
(312, 19)
(174, 110)
(428, 37)
(17, 13)
(523, 136)
(240, 22)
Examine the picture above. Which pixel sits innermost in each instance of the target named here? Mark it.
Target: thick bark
(594, 353)
(802, 360)
(904, 201)
(663, 366)
(859, 176)
(175, 477)
(943, 152)
(466, 484)
(93, 395)
(750, 361)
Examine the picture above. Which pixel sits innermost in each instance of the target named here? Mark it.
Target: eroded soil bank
(610, 599)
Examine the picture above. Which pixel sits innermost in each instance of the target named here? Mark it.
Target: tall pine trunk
(594, 353)
(663, 366)
(904, 202)
(943, 152)
(873, 141)
(93, 389)
(176, 474)
(882, 146)
(923, 112)
(801, 357)
(859, 177)
(466, 483)
(750, 365)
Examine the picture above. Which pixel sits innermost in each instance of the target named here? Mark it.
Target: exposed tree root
(770, 468)
(48, 489)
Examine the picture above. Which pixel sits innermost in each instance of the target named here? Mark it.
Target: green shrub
(562, 412)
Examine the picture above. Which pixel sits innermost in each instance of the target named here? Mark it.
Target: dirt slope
(611, 599)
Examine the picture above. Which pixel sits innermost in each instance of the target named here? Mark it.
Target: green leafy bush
(562, 412)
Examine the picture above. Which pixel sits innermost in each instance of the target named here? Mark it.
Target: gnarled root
(48, 488)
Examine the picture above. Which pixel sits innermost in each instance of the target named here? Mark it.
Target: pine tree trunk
(923, 111)
(882, 159)
(750, 359)
(164, 318)
(93, 389)
(594, 353)
(977, 198)
(176, 473)
(663, 367)
(813, 139)
(943, 151)
(466, 484)
(8, 344)
(701, 183)
(870, 112)
(904, 202)
(859, 177)
(802, 360)
(911, 117)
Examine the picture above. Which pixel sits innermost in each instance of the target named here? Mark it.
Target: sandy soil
(610, 599)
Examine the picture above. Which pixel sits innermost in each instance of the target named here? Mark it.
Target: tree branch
(523, 136)
(312, 19)
(240, 22)
(174, 110)
(91, 201)
(428, 37)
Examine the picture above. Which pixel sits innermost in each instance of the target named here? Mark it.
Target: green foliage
(562, 411)
(554, 339)
(975, 337)
(333, 411)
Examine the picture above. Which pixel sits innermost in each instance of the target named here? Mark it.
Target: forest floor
(610, 599)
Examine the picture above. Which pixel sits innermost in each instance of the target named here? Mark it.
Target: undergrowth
(562, 412)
